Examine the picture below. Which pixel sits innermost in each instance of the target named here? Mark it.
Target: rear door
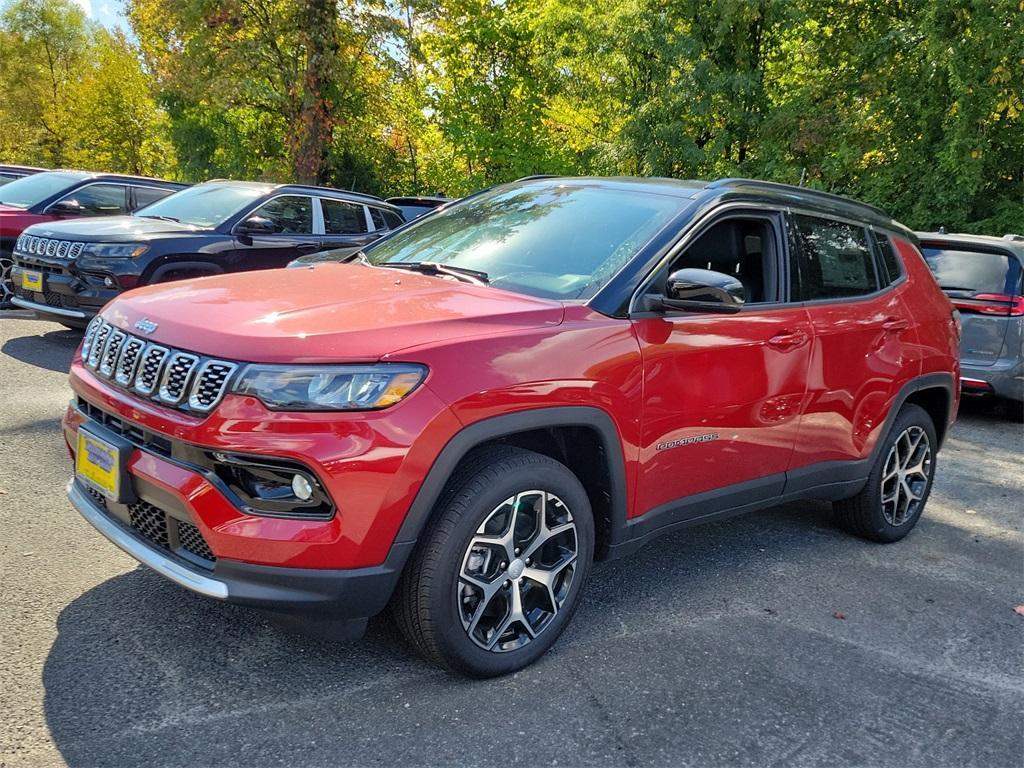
(347, 226)
(863, 339)
(985, 285)
(294, 235)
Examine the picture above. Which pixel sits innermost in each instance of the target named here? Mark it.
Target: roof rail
(1014, 238)
(740, 182)
(538, 176)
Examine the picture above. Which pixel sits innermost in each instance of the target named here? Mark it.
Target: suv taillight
(1007, 306)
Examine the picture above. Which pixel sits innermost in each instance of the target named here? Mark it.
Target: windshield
(205, 205)
(31, 190)
(552, 240)
(965, 270)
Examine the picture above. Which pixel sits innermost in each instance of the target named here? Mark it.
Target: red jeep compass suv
(544, 374)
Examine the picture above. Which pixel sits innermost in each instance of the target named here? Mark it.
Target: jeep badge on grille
(145, 325)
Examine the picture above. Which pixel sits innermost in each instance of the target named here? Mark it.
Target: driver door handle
(308, 247)
(895, 324)
(788, 340)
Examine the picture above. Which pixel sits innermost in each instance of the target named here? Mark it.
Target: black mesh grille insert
(111, 352)
(150, 522)
(176, 377)
(129, 359)
(192, 540)
(147, 379)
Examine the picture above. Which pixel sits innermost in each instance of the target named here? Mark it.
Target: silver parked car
(982, 277)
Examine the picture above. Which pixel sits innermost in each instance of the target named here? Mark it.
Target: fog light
(108, 281)
(302, 488)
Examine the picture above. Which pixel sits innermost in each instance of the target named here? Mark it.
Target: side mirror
(66, 207)
(702, 290)
(256, 225)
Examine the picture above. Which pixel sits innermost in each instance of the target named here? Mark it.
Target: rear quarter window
(963, 269)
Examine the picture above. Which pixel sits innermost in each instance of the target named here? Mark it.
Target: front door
(292, 217)
(723, 392)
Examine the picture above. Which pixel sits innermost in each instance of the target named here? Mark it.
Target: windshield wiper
(433, 268)
(162, 218)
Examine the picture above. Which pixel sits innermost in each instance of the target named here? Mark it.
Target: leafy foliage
(914, 105)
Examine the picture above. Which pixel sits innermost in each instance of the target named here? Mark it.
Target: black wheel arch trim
(205, 267)
(478, 433)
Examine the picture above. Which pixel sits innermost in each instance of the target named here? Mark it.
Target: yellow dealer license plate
(98, 463)
(32, 281)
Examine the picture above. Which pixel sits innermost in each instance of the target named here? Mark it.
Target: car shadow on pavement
(52, 350)
(720, 644)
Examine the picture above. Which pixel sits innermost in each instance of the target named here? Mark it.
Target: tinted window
(832, 260)
(342, 218)
(890, 261)
(7, 178)
(413, 211)
(378, 218)
(560, 240)
(393, 219)
(100, 199)
(976, 271)
(26, 192)
(206, 205)
(290, 214)
(148, 195)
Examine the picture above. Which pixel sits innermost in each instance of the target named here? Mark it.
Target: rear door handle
(788, 339)
(895, 324)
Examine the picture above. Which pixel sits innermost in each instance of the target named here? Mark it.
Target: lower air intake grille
(192, 540)
(150, 522)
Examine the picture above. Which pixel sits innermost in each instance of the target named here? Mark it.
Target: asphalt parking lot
(773, 639)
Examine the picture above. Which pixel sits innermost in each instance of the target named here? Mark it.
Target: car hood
(326, 313)
(112, 229)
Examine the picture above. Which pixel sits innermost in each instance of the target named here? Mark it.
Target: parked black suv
(68, 271)
(9, 173)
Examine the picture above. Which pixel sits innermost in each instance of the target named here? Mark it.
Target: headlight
(115, 250)
(330, 387)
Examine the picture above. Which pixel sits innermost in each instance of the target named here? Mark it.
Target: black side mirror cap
(700, 290)
(69, 207)
(256, 225)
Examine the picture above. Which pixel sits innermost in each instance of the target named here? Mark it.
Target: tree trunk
(311, 137)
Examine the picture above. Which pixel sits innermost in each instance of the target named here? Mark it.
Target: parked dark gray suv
(982, 277)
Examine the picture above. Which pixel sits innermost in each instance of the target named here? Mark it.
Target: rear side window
(291, 214)
(378, 218)
(341, 218)
(148, 195)
(891, 269)
(976, 271)
(832, 260)
(393, 219)
(101, 199)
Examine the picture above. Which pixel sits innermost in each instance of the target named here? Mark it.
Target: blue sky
(106, 12)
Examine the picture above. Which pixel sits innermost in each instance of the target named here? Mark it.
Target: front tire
(892, 500)
(6, 284)
(499, 572)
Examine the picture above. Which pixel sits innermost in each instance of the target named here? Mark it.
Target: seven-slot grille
(169, 376)
(46, 246)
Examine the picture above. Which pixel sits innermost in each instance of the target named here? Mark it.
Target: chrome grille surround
(176, 378)
(171, 377)
(45, 246)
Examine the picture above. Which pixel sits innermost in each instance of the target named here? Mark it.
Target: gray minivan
(982, 277)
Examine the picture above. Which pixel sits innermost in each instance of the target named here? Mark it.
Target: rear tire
(499, 571)
(892, 500)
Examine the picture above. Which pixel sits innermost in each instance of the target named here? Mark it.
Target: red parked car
(544, 374)
(54, 195)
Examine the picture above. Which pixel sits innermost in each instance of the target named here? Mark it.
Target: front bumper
(65, 295)
(349, 594)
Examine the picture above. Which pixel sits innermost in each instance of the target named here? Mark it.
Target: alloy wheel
(517, 571)
(906, 476)
(6, 286)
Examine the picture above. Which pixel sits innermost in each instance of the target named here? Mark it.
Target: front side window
(34, 189)
(341, 218)
(552, 239)
(100, 199)
(740, 247)
(964, 269)
(205, 205)
(290, 214)
(832, 260)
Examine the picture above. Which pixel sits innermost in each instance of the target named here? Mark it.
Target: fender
(206, 267)
(486, 430)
